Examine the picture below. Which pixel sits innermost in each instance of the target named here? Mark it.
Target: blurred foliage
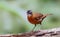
(13, 15)
(54, 19)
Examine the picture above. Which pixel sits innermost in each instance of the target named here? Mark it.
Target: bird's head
(29, 12)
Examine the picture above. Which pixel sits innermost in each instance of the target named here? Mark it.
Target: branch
(55, 32)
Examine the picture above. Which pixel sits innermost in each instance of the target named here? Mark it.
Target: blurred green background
(13, 18)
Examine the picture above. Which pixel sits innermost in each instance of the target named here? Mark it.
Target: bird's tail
(46, 15)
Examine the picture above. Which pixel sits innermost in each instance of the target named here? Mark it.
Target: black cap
(29, 12)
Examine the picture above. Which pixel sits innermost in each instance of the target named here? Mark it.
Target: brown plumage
(35, 18)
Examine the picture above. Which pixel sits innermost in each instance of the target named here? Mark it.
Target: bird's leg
(40, 27)
(34, 27)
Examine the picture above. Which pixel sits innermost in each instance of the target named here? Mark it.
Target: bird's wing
(37, 16)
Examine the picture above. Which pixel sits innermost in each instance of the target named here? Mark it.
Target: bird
(35, 18)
